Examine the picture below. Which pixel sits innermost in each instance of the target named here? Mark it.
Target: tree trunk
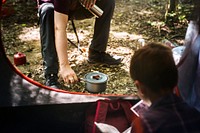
(171, 8)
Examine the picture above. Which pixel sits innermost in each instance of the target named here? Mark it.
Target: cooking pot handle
(82, 79)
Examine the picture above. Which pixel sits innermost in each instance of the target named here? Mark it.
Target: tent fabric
(27, 106)
(189, 67)
(54, 118)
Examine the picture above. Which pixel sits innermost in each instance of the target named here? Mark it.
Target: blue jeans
(48, 50)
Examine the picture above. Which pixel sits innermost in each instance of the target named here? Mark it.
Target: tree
(176, 10)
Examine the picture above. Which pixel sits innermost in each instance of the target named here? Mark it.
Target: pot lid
(96, 77)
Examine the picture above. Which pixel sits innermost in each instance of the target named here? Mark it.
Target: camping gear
(96, 11)
(95, 82)
(19, 59)
(116, 113)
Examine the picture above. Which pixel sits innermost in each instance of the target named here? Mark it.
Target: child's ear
(142, 92)
(139, 85)
(136, 82)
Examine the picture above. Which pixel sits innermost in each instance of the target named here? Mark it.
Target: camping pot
(95, 82)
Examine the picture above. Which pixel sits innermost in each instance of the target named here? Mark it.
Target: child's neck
(155, 96)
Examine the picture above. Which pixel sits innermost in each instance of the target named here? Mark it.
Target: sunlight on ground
(144, 12)
(82, 35)
(30, 34)
(125, 35)
(124, 50)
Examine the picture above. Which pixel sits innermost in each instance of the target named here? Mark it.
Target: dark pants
(100, 36)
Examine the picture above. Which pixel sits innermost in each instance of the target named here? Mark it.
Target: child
(155, 75)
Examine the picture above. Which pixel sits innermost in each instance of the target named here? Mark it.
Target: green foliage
(181, 15)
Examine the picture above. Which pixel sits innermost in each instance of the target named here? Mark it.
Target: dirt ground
(133, 20)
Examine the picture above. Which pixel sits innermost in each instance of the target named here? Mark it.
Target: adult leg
(50, 61)
(102, 25)
(101, 32)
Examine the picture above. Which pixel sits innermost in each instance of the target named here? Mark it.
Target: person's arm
(66, 72)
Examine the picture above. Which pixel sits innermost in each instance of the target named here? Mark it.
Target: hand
(88, 3)
(68, 75)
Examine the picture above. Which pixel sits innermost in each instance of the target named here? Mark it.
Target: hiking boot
(52, 81)
(102, 58)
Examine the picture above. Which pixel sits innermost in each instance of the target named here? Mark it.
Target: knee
(107, 5)
(47, 9)
(110, 3)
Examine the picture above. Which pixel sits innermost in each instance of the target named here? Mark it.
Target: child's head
(153, 66)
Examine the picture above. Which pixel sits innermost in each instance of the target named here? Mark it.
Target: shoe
(102, 58)
(52, 81)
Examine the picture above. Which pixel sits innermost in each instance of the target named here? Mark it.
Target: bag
(112, 112)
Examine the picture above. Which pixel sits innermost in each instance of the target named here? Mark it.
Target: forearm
(61, 38)
(61, 47)
(66, 72)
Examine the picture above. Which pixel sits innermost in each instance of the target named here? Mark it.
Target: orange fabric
(137, 126)
(177, 92)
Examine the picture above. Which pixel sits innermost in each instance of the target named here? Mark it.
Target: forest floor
(132, 20)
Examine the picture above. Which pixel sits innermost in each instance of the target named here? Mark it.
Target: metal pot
(95, 82)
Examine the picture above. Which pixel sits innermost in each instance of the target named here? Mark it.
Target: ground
(133, 20)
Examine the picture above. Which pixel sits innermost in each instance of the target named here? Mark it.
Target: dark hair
(154, 66)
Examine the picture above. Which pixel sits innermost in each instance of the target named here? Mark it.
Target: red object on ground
(19, 59)
(6, 11)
